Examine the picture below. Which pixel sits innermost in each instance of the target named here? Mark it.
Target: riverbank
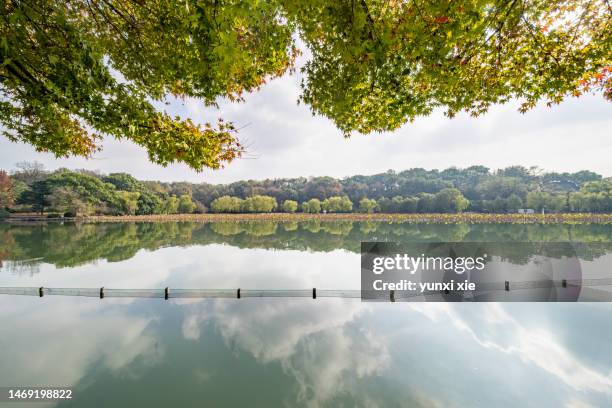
(468, 218)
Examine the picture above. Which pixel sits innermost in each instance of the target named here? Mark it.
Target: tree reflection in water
(67, 245)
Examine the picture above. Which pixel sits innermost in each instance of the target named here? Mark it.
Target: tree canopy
(396, 60)
(290, 206)
(72, 73)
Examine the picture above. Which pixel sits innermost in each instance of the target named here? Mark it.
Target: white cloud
(575, 403)
(309, 340)
(92, 332)
(534, 346)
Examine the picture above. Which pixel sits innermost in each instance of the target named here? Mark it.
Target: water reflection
(77, 244)
(304, 353)
(317, 346)
(286, 352)
(58, 342)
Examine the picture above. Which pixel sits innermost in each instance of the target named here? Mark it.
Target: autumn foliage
(76, 72)
(6, 190)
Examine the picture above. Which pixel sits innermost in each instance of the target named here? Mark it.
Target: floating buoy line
(586, 286)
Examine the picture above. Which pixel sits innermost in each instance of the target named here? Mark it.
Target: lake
(286, 351)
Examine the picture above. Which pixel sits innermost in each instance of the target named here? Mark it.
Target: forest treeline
(476, 189)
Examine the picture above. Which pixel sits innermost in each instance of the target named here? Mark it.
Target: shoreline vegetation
(432, 218)
(412, 195)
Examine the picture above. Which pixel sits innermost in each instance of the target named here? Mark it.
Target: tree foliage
(312, 206)
(74, 72)
(7, 193)
(337, 204)
(36, 196)
(594, 196)
(259, 204)
(90, 190)
(367, 205)
(395, 61)
(450, 200)
(81, 193)
(475, 189)
(170, 205)
(128, 201)
(67, 68)
(186, 204)
(398, 204)
(290, 206)
(226, 204)
(66, 200)
(544, 201)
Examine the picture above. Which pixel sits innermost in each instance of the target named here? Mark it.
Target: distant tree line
(82, 193)
(476, 189)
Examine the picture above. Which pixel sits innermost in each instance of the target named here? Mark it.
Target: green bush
(259, 204)
(290, 206)
(337, 204)
(186, 204)
(226, 204)
(312, 206)
(366, 205)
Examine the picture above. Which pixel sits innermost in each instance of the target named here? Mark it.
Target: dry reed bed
(469, 218)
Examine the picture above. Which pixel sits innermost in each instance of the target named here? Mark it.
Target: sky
(284, 139)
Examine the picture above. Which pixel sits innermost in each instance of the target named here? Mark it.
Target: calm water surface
(285, 352)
